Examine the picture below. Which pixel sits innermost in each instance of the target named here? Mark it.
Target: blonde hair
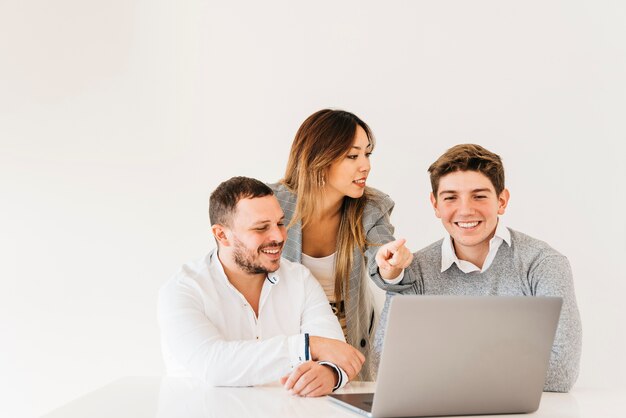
(323, 138)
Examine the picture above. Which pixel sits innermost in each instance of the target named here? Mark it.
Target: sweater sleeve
(553, 277)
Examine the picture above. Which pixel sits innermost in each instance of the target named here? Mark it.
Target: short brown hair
(224, 199)
(468, 157)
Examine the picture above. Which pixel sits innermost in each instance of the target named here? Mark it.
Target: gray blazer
(360, 314)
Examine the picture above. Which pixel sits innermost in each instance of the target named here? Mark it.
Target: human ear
(219, 232)
(503, 200)
(433, 201)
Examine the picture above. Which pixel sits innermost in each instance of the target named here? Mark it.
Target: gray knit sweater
(528, 267)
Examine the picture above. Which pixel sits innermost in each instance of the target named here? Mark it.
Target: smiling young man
(243, 316)
(481, 256)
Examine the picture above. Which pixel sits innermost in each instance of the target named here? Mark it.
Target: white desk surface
(155, 397)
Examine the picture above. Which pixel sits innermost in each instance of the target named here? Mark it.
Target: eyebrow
(359, 148)
(483, 190)
(267, 221)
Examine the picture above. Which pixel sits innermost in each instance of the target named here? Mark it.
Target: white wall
(118, 118)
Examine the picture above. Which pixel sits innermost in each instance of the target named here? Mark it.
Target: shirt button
(363, 342)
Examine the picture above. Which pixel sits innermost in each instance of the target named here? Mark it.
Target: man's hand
(337, 352)
(310, 379)
(392, 258)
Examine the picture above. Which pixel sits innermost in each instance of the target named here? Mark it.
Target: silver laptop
(461, 355)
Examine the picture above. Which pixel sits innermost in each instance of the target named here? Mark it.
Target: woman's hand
(392, 258)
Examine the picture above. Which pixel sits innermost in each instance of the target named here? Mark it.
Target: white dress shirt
(209, 331)
(448, 255)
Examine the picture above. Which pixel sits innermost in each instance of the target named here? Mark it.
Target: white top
(209, 331)
(448, 256)
(323, 268)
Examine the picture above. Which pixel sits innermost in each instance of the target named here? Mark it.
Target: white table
(150, 397)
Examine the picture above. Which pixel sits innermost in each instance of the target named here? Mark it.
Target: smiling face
(257, 235)
(468, 207)
(347, 176)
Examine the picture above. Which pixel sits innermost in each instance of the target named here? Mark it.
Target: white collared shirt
(209, 331)
(448, 255)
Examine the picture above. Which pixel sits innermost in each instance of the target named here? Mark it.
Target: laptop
(461, 355)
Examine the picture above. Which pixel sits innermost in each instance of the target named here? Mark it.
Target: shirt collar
(448, 255)
(503, 232)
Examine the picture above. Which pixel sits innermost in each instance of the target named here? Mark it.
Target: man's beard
(245, 258)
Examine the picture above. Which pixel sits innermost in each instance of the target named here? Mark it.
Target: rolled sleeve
(297, 350)
(342, 376)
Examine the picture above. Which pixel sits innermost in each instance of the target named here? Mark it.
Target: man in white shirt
(243, 316)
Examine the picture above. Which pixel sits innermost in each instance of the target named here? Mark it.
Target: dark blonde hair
(323, 138)
(468, 157)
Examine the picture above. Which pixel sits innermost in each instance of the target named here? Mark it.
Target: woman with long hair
(337, 224)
